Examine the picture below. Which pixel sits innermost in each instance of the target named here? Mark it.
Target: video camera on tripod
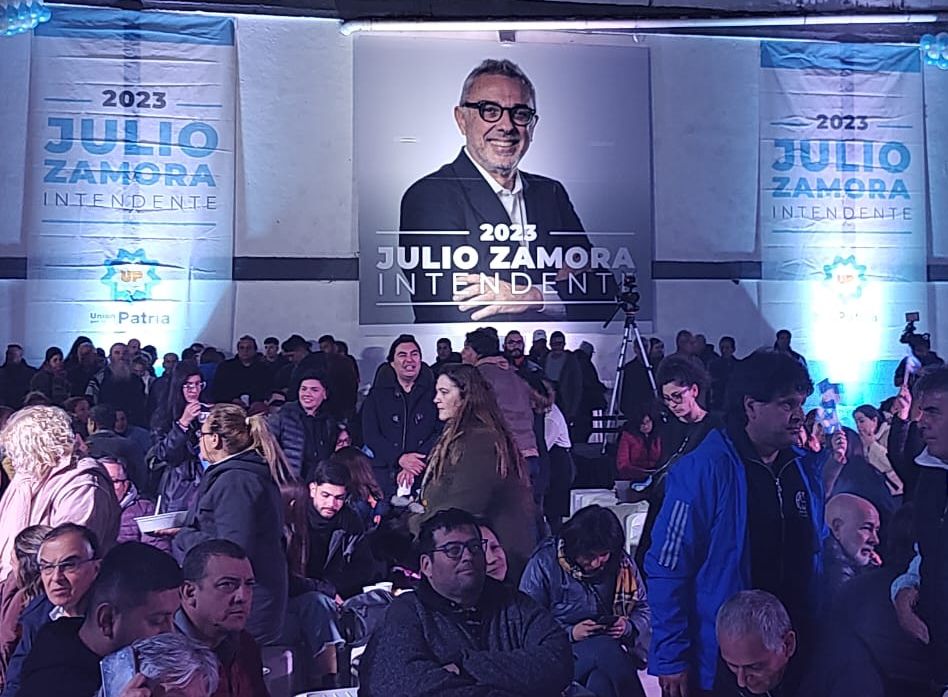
(627, 300)
(628, 297)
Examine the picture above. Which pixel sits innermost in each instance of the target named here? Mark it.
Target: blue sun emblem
(131, 275)
(847, 276)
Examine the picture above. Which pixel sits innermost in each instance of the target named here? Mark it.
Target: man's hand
(471, 297)
(585, 629)
(905, 602)
(137, 687)
(167, 532)
(674, 685)
(413, 463)
(839, 444)
(617, 630)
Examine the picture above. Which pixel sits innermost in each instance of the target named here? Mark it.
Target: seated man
(339, 561)
(462, 633)
(850, 548)
(135, 596)
(132, 504)
(103, 441)
(68, 561)
(215, 604)
(759, 647)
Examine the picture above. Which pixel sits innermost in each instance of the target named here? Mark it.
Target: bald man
(850, 548)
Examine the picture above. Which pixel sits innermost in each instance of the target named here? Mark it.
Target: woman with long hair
(640, 445)
(365, 494)
(51, 484)
(874, 434)
(81, 365)
(239, 500)
(19, 589)
(476, 465)
(175, 457)
(51, 378)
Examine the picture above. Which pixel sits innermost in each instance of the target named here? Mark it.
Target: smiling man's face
(497, 147)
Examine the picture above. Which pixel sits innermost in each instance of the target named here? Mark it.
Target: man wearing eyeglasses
(500, 210)
(462, 633)
(68, 563)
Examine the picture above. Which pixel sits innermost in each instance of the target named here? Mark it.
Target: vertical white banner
(842, 205)
(129, 203)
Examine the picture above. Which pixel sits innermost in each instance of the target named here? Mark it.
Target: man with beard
(484, 187)
(743, 510)
(115, 384)
(513, 352)
(339, 562)
(462, 633)
(850, 548)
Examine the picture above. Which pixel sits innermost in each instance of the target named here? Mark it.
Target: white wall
(296, 195)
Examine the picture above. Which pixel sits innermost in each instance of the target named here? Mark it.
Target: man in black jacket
(104, 441)
(340, 562)
(244, 374)
(304, 427)
(461, 633)
(134, 597)
(399, 419)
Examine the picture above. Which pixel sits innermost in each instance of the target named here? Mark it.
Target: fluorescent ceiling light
(377, 25)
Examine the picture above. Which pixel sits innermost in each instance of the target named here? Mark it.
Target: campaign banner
(499, 183)
(129, 203)
(842, 203)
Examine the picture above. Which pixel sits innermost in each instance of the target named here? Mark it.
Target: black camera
(909, 335)
(629, 296)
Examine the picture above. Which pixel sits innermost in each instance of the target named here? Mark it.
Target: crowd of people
(160, 530)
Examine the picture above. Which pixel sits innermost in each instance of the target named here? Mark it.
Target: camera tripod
(630, 333)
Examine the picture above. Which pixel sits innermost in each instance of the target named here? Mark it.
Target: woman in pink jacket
(51, 484)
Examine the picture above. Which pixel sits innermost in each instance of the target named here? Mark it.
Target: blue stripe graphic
(126, 25)
(869, 58)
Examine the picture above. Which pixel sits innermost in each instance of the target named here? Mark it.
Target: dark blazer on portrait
(457, 197)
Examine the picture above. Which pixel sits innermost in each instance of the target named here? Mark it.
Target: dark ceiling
(428, 10)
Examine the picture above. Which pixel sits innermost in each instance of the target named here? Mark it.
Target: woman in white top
(874, 432)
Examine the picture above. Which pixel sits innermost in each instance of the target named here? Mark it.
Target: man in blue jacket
(743, 510)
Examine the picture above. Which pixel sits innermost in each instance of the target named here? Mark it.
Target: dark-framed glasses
(492, 112)
(455, 550)
(675, 397)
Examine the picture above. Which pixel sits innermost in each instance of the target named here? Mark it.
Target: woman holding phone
(175, 455)
(595, 592)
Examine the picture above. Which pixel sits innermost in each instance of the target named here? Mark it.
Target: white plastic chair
(634, 524)
(580, 498)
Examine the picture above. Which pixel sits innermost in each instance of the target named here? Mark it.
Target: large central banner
(843, 205)
(129, 208)
(500, 182)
